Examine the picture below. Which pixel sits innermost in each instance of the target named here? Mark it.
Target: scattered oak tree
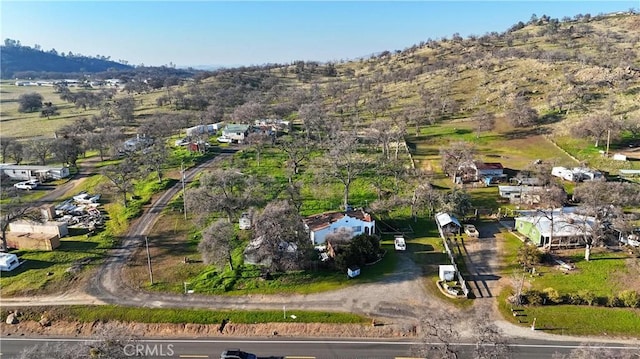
(217, 243)
(30, 102)
(283, 238)
(454, 156)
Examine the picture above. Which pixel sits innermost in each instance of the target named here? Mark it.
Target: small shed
(353, 271)
(448, 223)
(8, 262)
(447, 272)
(619, 157)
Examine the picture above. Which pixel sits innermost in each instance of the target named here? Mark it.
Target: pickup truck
(28, 185)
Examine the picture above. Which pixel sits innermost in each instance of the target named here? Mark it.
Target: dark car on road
(236, 354)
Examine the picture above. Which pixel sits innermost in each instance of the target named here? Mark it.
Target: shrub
(575, 299)
(613, 301)
(588, 297)
(534, 297)
(629, 298)
(553, 296)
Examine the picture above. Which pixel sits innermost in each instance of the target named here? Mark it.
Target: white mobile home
(29, 172)
(236, 132)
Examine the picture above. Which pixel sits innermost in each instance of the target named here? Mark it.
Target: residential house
(236, 132)
(32, 172)
(561, 227)
(356, 221)
(576, 174)
(275, 125)
(521, 194)
(478, 171)
(588, 174)
(137, 143)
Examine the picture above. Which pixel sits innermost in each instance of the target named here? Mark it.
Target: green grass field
(91, 314)
(574, 319)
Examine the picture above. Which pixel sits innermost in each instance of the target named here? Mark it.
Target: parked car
(28, 185)
(182, 142)
(399, 243)
(236, 354)
(223, 139)
(471, 230)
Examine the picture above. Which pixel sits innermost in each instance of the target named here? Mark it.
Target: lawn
(574, 319)
(604, 275)
(599, 275)
(50, 271)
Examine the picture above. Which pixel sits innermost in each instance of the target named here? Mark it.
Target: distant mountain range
(24, 61)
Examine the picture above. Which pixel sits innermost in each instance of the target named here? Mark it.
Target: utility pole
(146, 241)
(608, 141)
(184, 192)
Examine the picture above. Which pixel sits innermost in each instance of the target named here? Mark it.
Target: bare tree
(40, 149)
(438, 336)
(5, 145)
(226, 190)
(124, 108)
(297, 150)
(425, 198)
(67, 149)
(597, 126)
(248, 112)
(602, 202)
(314, 118)
(15, 151)
(217, 243)
(121, 177)
(490, 341)
(454, 156)
(521, 114)
(284, 239)
(550, 198)
(485, 121)
(345, 163)
(155, 157)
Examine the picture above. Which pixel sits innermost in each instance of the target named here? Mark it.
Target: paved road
(306, 348)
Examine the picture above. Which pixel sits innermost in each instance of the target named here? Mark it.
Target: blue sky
(254, 33)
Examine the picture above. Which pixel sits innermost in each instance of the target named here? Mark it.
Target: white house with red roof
(478, 170)
(321, 225)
